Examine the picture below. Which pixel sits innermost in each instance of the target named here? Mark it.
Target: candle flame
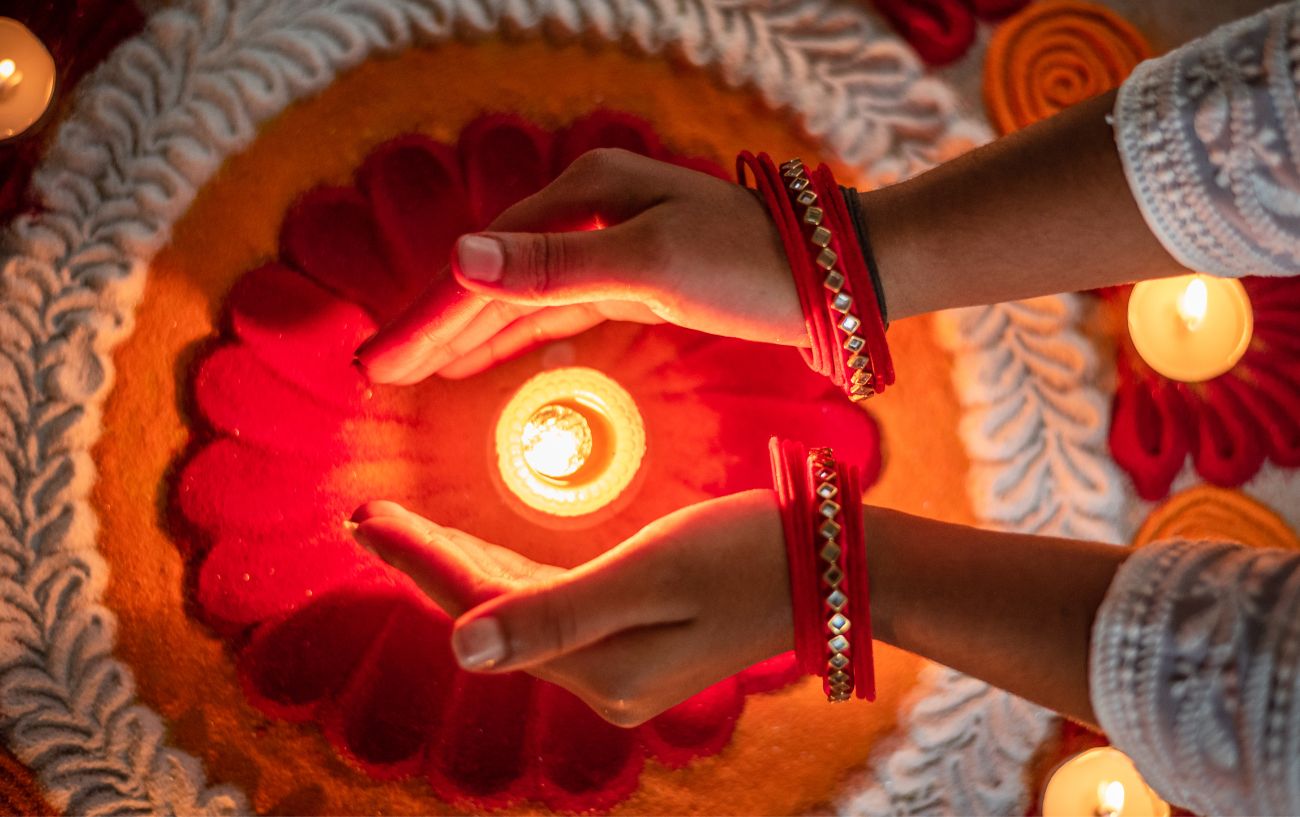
(10, 76)
(1192, 303)
(1110, 798)
(569, 441)
(556, 441)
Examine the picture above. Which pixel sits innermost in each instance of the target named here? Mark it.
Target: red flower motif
(290, 439)
(1229, 425)
(942, 31)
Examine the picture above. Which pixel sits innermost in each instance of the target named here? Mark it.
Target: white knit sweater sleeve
(1196, 674)
(1210, 139)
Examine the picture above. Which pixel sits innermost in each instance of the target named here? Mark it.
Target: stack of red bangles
(821, 513)
(837, 287)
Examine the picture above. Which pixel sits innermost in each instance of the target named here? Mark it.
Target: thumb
(555, 268)
(523, 628)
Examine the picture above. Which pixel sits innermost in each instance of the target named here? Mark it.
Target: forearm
(1041, 211)
(1011, 609)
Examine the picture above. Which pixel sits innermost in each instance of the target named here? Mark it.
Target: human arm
(1199, 171)
(703, 593)
(1044, 210)
(1186, 653)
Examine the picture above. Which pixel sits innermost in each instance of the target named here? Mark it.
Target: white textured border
(1034, 425)
(156, 120)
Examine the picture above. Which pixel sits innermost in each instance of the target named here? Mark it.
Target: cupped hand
(691, 599)
(617, 236)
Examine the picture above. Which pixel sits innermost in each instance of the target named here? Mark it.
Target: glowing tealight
(556, 441)
(569, 442)
(1100, 782)
(1190, 328)
(26, 78)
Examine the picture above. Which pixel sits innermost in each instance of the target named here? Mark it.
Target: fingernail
(479, 645)
(362, 537)
(350, 526)
(362, 513)
(480, 258)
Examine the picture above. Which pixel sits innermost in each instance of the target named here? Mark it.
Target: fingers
(455, 569)
(422, 330)
(478, 330)
(495, 563)
(549, 324)
(553, 269)
(437, 566)
(616, 592)
(600, 187)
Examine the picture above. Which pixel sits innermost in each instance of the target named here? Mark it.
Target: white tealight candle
(569, 442)
(1100, 782)
(1190, 328)
(26, 78)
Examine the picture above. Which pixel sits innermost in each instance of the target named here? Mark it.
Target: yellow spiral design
(1053, 55)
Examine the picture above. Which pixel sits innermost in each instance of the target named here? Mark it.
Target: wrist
(883, 212)
(877, 534)
(764, 512)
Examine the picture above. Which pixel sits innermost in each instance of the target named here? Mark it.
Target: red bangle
(790, 490)
(821, 516)
(855, 268)
(835, 286)
(767, 183)
(864, 665)
(832, 549)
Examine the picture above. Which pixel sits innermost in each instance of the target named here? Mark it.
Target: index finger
(435, 563)
(600, 187)
(435, 317)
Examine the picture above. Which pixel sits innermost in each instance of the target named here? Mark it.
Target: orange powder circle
(1209, 512)
(20, 794)
(1053, 55)
(790, 751)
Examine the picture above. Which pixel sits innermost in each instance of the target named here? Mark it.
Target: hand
(678, 246)
(691, 599)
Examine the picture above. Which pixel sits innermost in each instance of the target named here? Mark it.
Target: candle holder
(569, 442)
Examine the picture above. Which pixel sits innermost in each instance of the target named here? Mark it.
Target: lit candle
(1100, 782)
(1190, 328)
(569, 442)
(26, 78)
(556, 441)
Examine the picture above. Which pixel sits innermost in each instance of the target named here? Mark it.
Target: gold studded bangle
(823, 476)
(856, 342)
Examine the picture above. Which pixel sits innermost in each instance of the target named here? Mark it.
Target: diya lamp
(1100, 782)
(26, 79)
(1190, 328)
(569, 442)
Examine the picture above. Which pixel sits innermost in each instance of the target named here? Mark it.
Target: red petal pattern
(506, 159)
(293, 439)
(942, 31)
